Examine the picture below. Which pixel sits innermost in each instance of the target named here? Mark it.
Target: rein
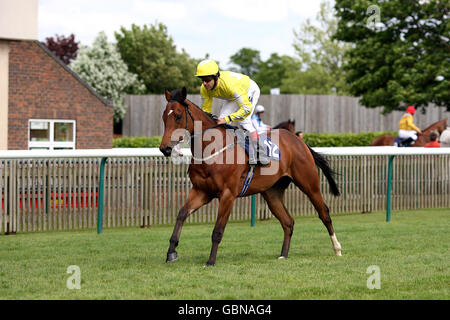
(214, 154)
(250, 173)
(188, 112)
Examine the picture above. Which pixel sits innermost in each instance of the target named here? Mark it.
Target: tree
(321, 56)
(150, 53)
(102, 67)
(247, 61)
(400, 54)
(273, 71)
(314, 80)
(65, 49)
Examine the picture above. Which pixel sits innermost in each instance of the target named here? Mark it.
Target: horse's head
(176, 120)
(440, 126)
(288, 125)
(437, 126)
(291, 125)
(443, 126)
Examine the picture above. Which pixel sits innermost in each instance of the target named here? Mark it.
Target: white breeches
(405, 134)
(231, 106)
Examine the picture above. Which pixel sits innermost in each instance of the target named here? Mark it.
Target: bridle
(188, 113)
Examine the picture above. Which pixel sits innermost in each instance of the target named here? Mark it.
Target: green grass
(412, 252)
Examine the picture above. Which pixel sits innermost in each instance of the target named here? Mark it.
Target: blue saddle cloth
(272, 149)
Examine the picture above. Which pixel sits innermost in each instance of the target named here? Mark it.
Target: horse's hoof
(171, 257)
(339, 253)
(282, 257)
(209, 264)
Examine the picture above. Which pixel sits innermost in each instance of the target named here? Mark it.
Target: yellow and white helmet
(207, 68)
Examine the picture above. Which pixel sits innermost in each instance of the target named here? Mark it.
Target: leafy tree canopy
(150, 53)
(247, 61)
(274, 71)
(65, 48)
(321, 57)
(317, 67)
(102, 68)
(400, 51)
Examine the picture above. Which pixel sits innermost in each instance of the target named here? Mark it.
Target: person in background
(445, 138)
(407, 131)
(433, 141)
(259, 125)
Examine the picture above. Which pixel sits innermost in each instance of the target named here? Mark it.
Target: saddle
(271, 148)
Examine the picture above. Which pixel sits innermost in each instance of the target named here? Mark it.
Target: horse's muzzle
(167, 151)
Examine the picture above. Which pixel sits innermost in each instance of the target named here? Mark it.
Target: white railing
(62, 189)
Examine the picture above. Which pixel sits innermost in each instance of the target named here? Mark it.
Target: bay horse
(422, 139)
(288, 125)
(298, 163)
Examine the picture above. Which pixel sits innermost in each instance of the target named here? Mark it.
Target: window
(51, 134)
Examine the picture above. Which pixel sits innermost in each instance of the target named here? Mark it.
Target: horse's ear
(168, 95)
(183, 93)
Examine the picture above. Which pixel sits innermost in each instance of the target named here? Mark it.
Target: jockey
(240, 94)
(259, 125)
(406, 128)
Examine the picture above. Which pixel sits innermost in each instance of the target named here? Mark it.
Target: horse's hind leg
(309, 184)
(274, 199)
(196, 199)
(324, 215)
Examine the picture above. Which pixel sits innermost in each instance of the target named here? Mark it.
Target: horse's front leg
(196, 199)
(225, 204)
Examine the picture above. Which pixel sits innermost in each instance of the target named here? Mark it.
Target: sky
(215, 27)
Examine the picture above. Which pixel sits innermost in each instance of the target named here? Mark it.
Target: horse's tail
(329, 173)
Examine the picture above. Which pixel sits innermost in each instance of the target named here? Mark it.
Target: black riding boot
(407, 142)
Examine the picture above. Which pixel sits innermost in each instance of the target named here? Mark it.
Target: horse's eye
(178, 117)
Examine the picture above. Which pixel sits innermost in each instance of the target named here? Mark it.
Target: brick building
(43, 103)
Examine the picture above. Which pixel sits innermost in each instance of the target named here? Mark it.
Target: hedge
(312, 139)
(137, 142)
(362, 139)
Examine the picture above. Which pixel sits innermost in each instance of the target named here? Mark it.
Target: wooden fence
(312, 113)
(61, 194)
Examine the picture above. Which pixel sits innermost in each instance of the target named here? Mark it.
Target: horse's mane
(288, 125)
(279, 125)
(434, 124)
(282, 123)
(176, 95)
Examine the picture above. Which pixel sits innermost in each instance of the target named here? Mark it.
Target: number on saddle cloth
(272, 150)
